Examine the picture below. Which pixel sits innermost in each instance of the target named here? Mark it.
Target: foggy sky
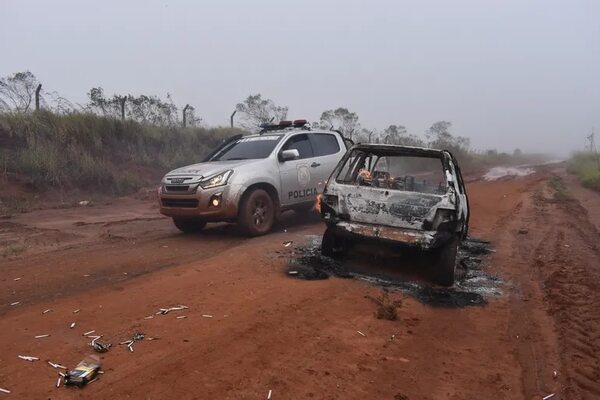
(511, 73)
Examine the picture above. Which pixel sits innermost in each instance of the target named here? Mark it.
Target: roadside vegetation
(96, 153)
(586, 166)
(115, 144)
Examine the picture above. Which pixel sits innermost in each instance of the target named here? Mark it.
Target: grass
(386, 308)
(586, 166)
(561, 193)
(12, 249)
(96, 154)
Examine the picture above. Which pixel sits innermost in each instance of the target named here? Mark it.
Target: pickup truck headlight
(219, 179)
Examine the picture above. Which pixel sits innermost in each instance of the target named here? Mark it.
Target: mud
(474, 283)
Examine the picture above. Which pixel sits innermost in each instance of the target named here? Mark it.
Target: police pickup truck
(252, 179)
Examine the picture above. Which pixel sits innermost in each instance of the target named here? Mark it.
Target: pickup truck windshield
(248, 148)
(395, 172)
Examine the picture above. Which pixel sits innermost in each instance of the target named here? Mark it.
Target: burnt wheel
(446, 263)
(188, 225)
(257, 213)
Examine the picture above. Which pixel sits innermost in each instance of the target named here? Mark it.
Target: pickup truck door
(328, 151)
(298, 180)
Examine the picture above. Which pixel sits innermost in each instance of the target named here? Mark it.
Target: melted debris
(474, 283)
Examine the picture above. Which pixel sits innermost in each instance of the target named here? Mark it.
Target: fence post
(231, 118)
(185, 114)
(37, 97)
(122, 100)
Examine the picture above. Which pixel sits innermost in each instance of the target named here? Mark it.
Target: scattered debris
(46, 311)
(5, 391)
(86, 275)
(100, 347)
(89, 333)
(72, 325)
(293, 272)
(76, 311)
(162, 311)
(28, 358)
(555, 374)
(16, 303)
(207, 315)
(523, 231)
(149, 317)
(60, 378)
(136, 337)
(288, 243)
(85, 372)
(42, 336)
(549, 396)
(181, 317)
(404, 360)
(57, 366)
(17, 279)
(269, 394)
(84, 202)
(361, 334)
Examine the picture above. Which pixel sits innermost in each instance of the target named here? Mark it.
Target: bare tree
(341, 119)
(17, 92)
(257, 111)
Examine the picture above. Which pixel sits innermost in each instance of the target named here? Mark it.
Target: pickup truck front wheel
(189, 225)
(446, 263)
(257, 213)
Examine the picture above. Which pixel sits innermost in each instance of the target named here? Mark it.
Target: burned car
(408, 196)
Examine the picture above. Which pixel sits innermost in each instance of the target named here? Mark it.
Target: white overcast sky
(510, 73)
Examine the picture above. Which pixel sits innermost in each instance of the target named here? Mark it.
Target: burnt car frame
(369, 197)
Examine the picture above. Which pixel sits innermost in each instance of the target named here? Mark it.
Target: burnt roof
(399, 150)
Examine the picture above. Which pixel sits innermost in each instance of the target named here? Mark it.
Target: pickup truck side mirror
(288, 155)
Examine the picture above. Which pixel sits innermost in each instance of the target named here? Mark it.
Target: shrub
(97, 153)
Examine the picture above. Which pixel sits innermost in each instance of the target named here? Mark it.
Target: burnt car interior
(393, 171)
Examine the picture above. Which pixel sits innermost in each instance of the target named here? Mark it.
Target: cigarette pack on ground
(84, 372)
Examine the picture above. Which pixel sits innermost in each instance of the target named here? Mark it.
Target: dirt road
(251, 329)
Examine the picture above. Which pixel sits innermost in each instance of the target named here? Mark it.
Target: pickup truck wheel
(257, 213)
(188, 225)
(329, 243)
(446, 263)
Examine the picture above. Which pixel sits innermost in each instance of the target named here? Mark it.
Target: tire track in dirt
(569, 262)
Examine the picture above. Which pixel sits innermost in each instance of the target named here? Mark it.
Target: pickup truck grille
(180, 203)
(177, 188)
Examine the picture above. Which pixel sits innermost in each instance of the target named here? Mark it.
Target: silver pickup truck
(252, 179)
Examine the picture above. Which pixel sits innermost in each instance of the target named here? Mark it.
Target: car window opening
(394, 172)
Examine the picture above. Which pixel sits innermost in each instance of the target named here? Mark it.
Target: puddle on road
(474, 284)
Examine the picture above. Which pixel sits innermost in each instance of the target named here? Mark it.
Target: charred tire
(446, 263)
(187, 225)
(257, 213)
(329, 243)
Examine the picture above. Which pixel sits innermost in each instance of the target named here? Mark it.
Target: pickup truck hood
(202, 170)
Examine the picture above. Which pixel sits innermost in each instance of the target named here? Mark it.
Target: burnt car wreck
(407, 196)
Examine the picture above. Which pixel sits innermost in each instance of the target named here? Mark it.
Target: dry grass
(386, 307)
(93, 153)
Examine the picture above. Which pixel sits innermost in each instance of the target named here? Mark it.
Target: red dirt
(298, 338)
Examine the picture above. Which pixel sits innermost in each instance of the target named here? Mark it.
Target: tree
(17, 92)
(341, 119)
(102, 105)
(256, 111)
(439, 137)
(393, 134)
